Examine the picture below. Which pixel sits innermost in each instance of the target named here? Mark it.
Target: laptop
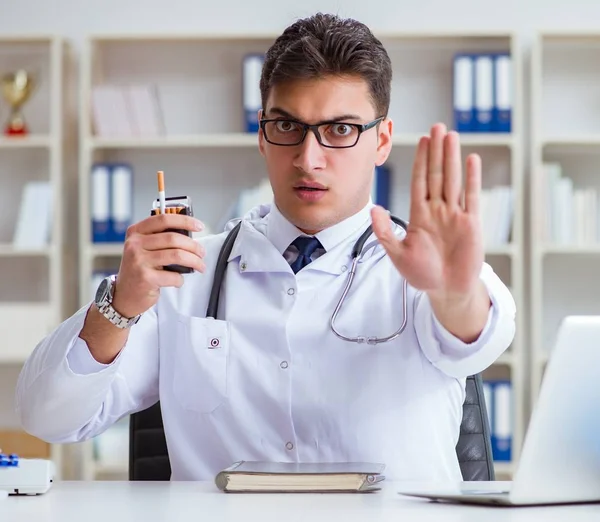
(560, 459)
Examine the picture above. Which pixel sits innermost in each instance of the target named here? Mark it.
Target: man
(268, 379)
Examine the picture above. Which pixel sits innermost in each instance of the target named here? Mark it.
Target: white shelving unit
(565, 131)
(32, 287)
(207, 155)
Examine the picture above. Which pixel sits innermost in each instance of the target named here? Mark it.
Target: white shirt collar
(281, 232)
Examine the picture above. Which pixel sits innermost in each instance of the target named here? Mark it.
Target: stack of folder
(483, 96)
(111, 201)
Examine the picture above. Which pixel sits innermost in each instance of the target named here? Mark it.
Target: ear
(384, 141)
(261, 136)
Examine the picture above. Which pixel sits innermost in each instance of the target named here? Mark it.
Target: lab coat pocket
(200, 380)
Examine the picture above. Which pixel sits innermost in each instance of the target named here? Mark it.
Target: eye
(286, 126)
(341, 129)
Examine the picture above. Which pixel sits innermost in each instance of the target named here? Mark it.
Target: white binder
(503, 95)
(484, 92)
(252, 69)
(463, 93)
(100, 203)
(121, 212)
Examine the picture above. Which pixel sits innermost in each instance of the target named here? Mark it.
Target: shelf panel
(105, 250)
(9, 250)
(23, 325)
(501, 250)
(251, 140)
(26, 142)
(572, 140)
(504, 468)
(110, 469)
(191, 141)
(488, 139)
(593, 249)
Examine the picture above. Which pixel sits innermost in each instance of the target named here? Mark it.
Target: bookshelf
(33, 289)
(206, 154)
(566, 134)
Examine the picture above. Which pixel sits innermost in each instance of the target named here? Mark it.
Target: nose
(310, 156)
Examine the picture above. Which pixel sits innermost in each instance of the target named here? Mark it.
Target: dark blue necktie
(306, 247)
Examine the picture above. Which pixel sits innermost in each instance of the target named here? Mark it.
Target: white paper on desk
(35, 216)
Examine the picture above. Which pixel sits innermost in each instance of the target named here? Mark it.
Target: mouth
(310, 187)
(310, 192)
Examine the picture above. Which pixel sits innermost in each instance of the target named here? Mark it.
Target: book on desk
(290, 477)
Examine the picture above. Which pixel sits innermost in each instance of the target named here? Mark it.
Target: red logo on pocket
(215, 342)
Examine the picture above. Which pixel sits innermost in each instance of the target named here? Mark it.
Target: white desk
(201, 501)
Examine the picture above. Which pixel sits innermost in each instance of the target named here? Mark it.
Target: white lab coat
(268, 380)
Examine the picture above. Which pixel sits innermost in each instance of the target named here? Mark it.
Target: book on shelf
(280, 477)
(126, 111)
(569, 214)
(34, 221)
(496, 211)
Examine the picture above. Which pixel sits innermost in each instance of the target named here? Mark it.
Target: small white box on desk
(30, 477)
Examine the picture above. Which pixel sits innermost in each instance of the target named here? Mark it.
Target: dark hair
(325, 44)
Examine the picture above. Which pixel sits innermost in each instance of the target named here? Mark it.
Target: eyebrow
(341, 117)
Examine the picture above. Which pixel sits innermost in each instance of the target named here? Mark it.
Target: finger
(175, 256)
(162, 222)
(418, 191)
(382, 228)
(435, 167)
(452, 169)
(167, 278)
(164, 240)
(473, 184)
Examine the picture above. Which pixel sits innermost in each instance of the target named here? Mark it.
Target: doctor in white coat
(268, 379)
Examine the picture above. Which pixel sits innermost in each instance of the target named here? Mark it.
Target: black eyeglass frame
(315, 128)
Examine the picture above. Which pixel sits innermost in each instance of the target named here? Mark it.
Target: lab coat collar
(281, 232)
(254, 250)
(265, 234)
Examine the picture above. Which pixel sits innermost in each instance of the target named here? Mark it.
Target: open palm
(442, 251)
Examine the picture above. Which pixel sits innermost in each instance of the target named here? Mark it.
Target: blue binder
(121, 201)
(502, 425)
(100, 202)
(503, 95)
(381, 186)
(463, 93)
(484, 92)
(252, 69)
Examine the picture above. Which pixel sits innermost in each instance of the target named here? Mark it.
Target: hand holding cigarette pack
(172, 205)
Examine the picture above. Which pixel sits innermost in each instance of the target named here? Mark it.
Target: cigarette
(161, 190)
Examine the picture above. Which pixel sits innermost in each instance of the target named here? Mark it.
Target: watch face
(102, 292)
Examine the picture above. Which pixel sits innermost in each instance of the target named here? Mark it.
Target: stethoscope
(221, 266)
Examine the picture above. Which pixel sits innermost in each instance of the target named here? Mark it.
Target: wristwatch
(103, 301)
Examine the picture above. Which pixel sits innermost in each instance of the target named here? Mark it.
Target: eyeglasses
(333, 134)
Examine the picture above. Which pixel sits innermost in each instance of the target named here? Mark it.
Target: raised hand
(442, 252)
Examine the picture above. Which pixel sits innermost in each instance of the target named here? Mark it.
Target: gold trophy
(16, 89)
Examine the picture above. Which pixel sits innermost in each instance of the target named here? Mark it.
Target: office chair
(149, 458)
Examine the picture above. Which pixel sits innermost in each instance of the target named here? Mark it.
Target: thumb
(382, 228)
